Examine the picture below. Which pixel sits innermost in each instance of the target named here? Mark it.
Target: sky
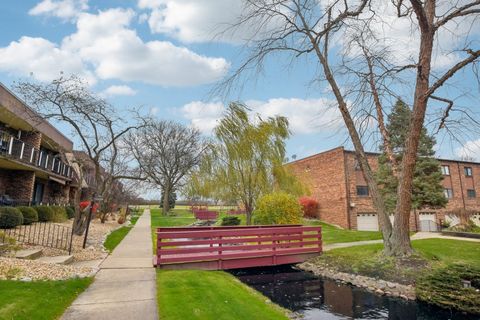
(167, 56)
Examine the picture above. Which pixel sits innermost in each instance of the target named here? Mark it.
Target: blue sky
(163, 55)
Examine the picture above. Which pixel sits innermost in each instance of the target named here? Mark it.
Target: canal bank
(311, 297)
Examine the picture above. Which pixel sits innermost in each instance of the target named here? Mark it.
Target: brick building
(33, 156)
(337, 182)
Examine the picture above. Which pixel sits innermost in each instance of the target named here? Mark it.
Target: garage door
(427, 221)
(367, 222)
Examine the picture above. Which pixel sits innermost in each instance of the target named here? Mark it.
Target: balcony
(15, 149)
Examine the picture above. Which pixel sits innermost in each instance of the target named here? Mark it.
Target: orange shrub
(309, 207)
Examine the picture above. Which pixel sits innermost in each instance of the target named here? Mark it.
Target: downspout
(461, 186)
(347, 189)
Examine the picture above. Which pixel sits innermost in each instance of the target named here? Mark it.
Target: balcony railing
(19, 150)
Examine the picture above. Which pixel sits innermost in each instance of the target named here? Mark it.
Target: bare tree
(166, 152)
(310, 27)
(96, 124)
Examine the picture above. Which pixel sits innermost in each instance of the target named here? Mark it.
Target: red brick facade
(333, 178)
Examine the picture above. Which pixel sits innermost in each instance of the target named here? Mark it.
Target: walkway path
(416, 236)
(125, 286)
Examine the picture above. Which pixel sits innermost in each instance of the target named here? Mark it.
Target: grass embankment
(194, 294)
(115, 237)
(333, 234)
(38, 299)
(437, 267)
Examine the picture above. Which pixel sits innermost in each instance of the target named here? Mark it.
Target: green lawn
(430, 253)
(332, 234)
(116, 236)
(188, 294)
(38, 299)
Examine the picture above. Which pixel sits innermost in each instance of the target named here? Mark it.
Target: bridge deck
(235, 247)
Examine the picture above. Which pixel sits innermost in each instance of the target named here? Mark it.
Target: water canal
(316, 298)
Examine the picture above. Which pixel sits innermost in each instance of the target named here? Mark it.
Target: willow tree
(245, 158)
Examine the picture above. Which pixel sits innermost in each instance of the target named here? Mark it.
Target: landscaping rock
(375, 285)
(18, 269)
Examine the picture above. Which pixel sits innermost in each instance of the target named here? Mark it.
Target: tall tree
(245, 160)
(166, 152)
(94, 122)
(427, 182)
(317, 28)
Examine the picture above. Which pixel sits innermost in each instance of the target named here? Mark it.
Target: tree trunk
(166, 204)
(401, 245)
(80, 219)
(248, 212)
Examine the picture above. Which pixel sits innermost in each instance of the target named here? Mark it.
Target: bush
(30, 215)
(70, 212)
(59, 214)
(230, 221)
(10, 217)
(278, 208)
(309, 207)
(444, 287)
(44, 213)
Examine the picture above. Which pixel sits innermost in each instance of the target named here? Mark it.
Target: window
(446, 170)
(362, 191)
(468, 171)
(471, 193)
(448, 193)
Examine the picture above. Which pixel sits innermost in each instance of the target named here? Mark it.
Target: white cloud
(121, 90)
(203, 116)
(470, 150)
(199, 20)
(106, 46)
(42, 59)
(63, 9)
(305, 116)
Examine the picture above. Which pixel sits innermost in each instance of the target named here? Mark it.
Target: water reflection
(317, 298)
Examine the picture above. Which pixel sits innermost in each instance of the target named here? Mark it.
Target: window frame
(447, 194)
(468, 171)
(365, 188)
(447, 171)
(471, 192)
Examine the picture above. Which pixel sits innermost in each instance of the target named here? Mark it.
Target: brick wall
(332, 178)
(32, 138)
(324, 175)
(17, 184)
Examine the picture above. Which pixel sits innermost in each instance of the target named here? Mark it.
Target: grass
(115, 237)
(188, 294)
(430, 254)
(39, 299)
(333, 234)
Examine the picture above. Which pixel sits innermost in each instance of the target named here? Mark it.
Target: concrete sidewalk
(125, 286)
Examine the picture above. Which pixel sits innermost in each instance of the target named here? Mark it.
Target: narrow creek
(317, 298)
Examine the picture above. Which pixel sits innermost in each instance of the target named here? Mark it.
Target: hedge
(70, 212)
(278, 208)
(45, 213)
(59, 214)
(309, 207)
(30, 215)
(10, 217)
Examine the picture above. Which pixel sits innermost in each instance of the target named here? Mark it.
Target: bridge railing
(205, 215)
(240, 244)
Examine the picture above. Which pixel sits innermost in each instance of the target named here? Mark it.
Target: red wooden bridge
(218, 248)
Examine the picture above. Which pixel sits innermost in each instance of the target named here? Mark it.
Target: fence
(45, 234)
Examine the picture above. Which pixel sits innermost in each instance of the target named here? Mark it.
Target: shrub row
(10, 217)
